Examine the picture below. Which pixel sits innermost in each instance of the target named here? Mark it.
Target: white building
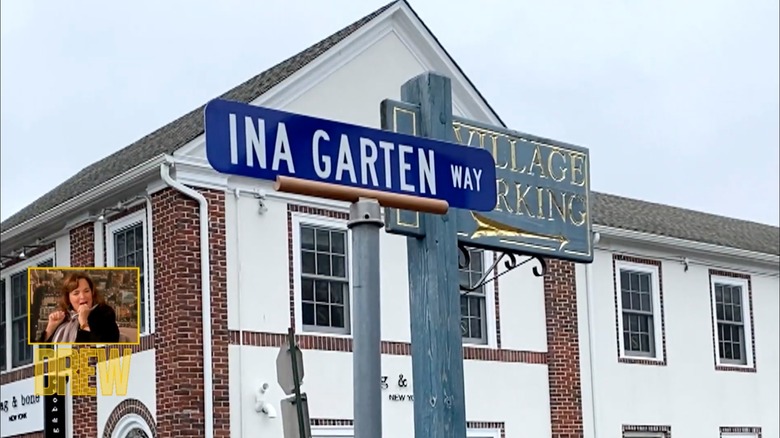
(642, 342)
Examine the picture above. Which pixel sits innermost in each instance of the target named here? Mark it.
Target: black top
(102, 327)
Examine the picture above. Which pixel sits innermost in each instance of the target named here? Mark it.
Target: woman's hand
(55, 319)
(84, 311)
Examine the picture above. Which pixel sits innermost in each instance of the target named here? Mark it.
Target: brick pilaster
(82, 253)
(179, 337)
(563, 350)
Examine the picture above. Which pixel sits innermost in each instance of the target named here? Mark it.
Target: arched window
(132, 426)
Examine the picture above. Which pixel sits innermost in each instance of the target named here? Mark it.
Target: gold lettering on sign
(577, 169)
(551, 169)
(502, 190)
(519, 155)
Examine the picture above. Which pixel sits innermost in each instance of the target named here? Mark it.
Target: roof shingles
(608, 210)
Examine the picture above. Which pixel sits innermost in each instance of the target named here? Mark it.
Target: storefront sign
(21, 411)
(399, 390)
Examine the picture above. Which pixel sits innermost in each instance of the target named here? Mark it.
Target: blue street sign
(542, 191)
(262, 143)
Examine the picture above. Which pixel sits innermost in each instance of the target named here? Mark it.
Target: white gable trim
(398, 19)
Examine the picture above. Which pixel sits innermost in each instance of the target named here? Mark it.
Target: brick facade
(563, 350)
(177, 295)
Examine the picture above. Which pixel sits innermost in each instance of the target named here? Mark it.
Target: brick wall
(82, 253)
(563, 350)
(178, 337)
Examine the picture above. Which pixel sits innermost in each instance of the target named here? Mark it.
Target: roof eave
(84, 201)
(690, 245)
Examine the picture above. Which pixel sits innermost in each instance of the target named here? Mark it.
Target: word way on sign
(262, 143)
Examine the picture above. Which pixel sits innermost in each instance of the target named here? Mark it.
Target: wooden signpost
(541, 211)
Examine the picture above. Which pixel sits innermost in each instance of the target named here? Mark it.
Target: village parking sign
(262, 143)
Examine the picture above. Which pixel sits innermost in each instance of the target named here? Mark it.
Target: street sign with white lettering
(262, 143)
(542, 204)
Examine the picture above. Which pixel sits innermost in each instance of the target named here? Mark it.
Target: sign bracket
(510, 264)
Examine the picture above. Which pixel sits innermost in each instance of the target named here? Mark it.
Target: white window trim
(348, 432)
(490, 307)
(6, 275)
(654, 272)
(339, 224)
(332, 431)
(644, 435)
(738, 435)
(117, 225)
(746, 308)
(128, 423)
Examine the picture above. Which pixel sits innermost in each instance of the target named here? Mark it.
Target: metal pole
(296, 380)
(365, 221)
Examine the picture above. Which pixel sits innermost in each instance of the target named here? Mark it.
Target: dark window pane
(323, 314)
(323, 264)
(626, 298)
(307, 289)
(337, 316)
(736, 295)
(644, 283)
(308, 314)
(718, 293)
(645, 300)
(307, 262)
(726, 296)
(635, 301)
(464, 327)
(476, 328)
(339, 266)
(307, 238)
(719, 311)
(634, 342)
(321, 291)
(625, 282)
(323, 240)
(338, 242)
(728, 314)
(737, 313)
(337, 293)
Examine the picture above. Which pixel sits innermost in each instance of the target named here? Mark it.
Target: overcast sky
(677, 100)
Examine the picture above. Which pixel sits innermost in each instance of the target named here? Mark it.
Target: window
(13, 321)
(131, 426)
(640, 312)
(324, 279)
(2, 324)
(731, 314)
(126, 246)
(473, 304)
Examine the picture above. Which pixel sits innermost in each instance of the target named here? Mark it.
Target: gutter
(87, 198)
(205, 277)
(589, 309)
(708, 248)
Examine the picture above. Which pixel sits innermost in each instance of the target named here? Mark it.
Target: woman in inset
(82, 316)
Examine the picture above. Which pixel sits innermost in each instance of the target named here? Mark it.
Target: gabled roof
(181, 131)
(608, 210)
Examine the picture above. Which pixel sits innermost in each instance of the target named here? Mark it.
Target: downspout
(152, 321)
(205, 277)
(591, 348)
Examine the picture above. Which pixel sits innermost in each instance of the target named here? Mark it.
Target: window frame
(747, 310)
(6, 276)
(112, 227)
(489, 317)
(657, 314)
(299, 219)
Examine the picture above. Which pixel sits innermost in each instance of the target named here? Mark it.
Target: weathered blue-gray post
(434, 294)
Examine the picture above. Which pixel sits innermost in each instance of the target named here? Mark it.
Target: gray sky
(677, 100)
